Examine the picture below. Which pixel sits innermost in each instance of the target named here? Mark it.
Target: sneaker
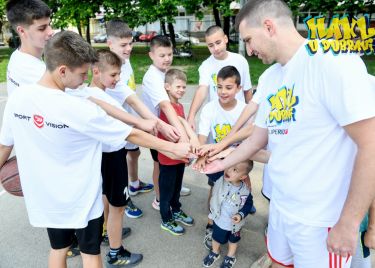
(172, 227)
(142, 188)
(263, 262)
(156, 204)
(207, 241)
(185, 191)
(125, 233)
(73, 251)
(210, 259)
(228, 262)
(123, 259)
(132, 211)
(183, 218)
(253, 210)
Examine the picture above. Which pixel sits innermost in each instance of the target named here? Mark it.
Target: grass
(140, 62)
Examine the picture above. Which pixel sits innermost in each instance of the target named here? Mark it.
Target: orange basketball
(10, 178)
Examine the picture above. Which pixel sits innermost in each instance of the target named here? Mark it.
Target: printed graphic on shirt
(39, 121)
(221, 131)
(283, 110)
(131, 82)
(243, 199)
(214, 81)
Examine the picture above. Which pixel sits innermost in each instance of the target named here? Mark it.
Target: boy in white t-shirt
(156, 98)
(120, 41)
(216, 42)
(31, 20)
(65, 141)
(216, 121)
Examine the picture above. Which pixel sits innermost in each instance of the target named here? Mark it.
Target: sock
(114, 251)
(134, 184)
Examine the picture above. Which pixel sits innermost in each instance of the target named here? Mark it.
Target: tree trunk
(88, 38)
(216, 15)
(162, 26)
(79, 27)
(226, 27)
(171, 34)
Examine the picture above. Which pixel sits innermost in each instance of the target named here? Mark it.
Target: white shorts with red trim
(293, 244)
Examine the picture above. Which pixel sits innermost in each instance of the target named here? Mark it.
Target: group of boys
(67, 59)
(100, 120)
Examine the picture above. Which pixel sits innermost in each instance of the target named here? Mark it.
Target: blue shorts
(212, 178)
(223, 236)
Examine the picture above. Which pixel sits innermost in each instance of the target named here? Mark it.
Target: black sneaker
(228, 262)
(210, 259)
(73, 249)
(125, 233)
(123, 259)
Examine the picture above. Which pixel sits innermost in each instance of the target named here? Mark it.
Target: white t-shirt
(59, 150)
(218, 122)
(210, 67)
(153, 91)
(308, 102)
(23, 69)
(100, 94)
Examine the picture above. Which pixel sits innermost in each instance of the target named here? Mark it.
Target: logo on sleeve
(38, 120)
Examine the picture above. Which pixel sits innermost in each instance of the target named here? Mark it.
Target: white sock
(134, 184)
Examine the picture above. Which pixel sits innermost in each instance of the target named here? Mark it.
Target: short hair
(255, 10)
(173, 74)
(107, 57)
(118, 28)
(213, 29)
(70, 49)
(26, 11)
(228, 72)
(249, 165)
(160, 41)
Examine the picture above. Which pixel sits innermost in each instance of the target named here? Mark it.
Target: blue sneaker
(228, 262)
(142, 188)
(132, 211)
(183, 218)
(172, 227)
(210, 259)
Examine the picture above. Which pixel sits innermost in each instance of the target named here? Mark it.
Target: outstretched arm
(342, 239)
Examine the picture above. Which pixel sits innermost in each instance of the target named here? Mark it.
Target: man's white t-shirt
(218, 122)
(23, 69)
(100, 94)
(59, 150)
(153, 91)
(210, 68)
(308, 102)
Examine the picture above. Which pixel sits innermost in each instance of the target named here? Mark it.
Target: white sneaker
(263, 262)
(156, 204)
(184, 191)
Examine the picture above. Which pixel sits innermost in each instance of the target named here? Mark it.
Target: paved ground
(24, 246)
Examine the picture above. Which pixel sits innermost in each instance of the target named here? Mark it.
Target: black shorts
(115, 178)
(223, 236)
(154, 155)
(132, 150)
(212, 178)
(89, 238)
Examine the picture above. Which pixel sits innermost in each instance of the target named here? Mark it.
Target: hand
(180, 151)
(342, 239)
(148, 125)
(184, 138)
(195, 145)
(213, 167)
(220, 155)
(191, 122)
(236, 218)
(169, 132)
(207, 148)
(370, 239)
(199, 164)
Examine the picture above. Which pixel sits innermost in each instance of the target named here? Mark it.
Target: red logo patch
(38, 121)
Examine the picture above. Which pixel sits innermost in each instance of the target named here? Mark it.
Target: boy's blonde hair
(107, 57)
(173, 74)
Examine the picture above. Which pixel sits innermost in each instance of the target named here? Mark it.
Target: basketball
(9, 177)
